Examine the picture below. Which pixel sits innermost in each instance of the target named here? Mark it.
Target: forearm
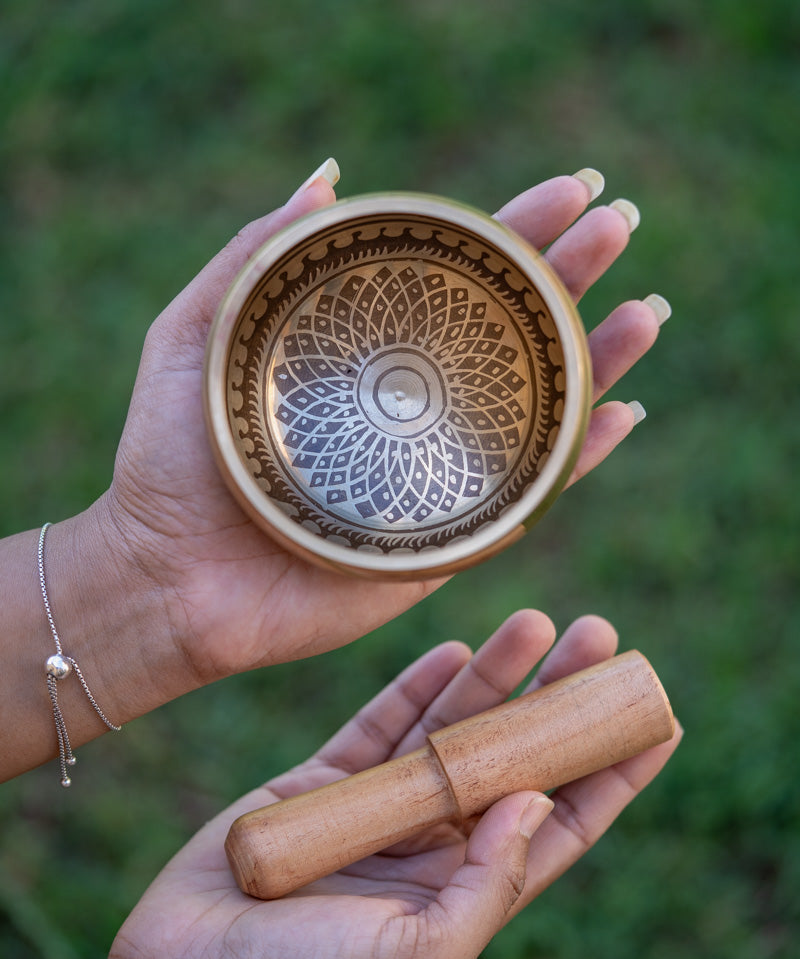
(110, 619)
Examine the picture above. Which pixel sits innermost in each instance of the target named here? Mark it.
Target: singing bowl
(396, 386)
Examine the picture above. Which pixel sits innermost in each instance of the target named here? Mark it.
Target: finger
(621, 340)
(192, 311)
(489, 677)
(584, 810)
(373, 734)
(589, 640)
(543, 212)
(586, 250)
(608, 427)
(316, 192)
(478, 900)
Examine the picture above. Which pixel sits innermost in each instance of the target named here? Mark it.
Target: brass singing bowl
(396, 386)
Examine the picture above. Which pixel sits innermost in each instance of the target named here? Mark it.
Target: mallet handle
(582, 723)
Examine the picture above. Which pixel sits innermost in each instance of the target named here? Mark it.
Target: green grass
(137, 137)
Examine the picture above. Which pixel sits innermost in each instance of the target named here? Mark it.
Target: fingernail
(629, 210)
(593, 180)
(659, 306)
(329, 171)
(534, 814)
(639, 412)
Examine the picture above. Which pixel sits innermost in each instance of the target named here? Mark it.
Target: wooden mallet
(541, 740)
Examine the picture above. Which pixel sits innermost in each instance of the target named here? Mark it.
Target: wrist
(111, 621)
(111, 617)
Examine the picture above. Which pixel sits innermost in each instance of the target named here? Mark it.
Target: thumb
(481, 892)
(313, 193)
(192, 311)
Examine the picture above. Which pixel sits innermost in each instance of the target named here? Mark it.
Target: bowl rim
(460, 552)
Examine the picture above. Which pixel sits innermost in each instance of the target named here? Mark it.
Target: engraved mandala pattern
(395, 388)
(399, 401)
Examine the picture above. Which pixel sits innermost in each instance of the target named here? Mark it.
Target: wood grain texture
(559, 733)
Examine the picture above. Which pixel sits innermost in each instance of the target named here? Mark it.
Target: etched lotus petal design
(394, 387)
(398, 399)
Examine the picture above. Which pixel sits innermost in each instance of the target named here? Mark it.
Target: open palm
(233, 599)
(442, 894)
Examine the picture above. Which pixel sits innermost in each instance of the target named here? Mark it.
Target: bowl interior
(395, 383)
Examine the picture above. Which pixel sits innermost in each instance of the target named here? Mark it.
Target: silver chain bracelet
(58, 667)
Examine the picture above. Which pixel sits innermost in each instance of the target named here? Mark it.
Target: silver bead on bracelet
(58, 667)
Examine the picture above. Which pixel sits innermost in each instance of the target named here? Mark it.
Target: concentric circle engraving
(394, 384)
(397, 396)
(401, 392)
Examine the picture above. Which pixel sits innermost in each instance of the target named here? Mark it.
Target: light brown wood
(281, 847)
(558, 733)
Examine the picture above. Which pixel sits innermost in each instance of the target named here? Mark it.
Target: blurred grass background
(136, 137)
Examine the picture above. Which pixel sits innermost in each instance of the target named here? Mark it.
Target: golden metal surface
(396, 386)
